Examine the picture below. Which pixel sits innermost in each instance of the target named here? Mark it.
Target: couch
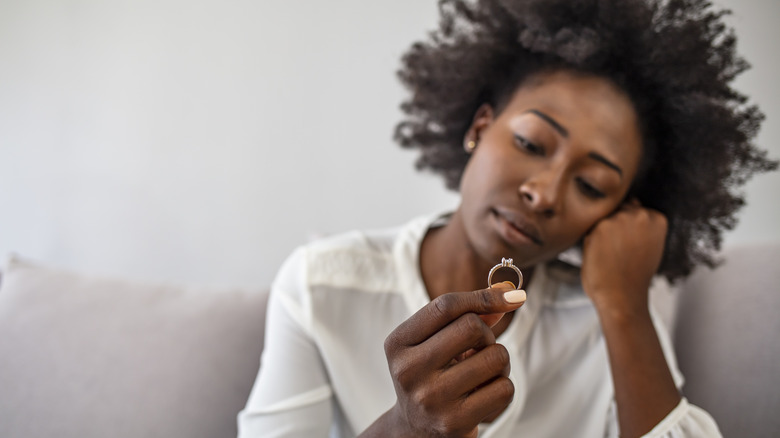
(87, 357)
(727, 339)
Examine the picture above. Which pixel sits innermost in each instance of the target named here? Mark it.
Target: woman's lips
(516, 229)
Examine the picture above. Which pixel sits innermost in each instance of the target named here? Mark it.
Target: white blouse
(334, 302)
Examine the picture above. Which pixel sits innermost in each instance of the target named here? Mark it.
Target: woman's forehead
(588, 110)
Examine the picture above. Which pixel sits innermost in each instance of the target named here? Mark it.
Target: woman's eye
(589, 190)
(523, 143)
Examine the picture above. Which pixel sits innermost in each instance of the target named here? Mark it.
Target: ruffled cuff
(685, 421)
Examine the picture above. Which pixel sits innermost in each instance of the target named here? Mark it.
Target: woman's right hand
(449, 373)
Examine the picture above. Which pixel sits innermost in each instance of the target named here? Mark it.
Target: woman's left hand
(620, 256)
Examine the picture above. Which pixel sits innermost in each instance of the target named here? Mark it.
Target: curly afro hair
(675, 60)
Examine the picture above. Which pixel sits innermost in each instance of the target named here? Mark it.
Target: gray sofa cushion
(727, 345)
(93, 357)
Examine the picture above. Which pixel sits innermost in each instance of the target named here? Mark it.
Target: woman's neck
(448, 262)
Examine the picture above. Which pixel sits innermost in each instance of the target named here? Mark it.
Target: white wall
(201, 141)
(755, 22)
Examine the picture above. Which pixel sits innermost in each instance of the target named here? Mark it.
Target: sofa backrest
(93, 357)
(726, 337)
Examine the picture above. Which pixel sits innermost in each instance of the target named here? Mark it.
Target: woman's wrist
(645, 391)
(389, 424)
(624, 317)
(621, 304)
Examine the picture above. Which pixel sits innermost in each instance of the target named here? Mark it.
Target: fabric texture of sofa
(726, 338)
(89, 357)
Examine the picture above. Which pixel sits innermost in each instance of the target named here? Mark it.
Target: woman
(605, 128)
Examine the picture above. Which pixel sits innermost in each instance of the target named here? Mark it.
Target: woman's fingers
(477, 370)
(489, 400)
(630, 242)
(465, 333)
(446, 308)
(445, 354)
(492, 319)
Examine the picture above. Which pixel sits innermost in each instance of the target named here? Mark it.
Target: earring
(470, 146)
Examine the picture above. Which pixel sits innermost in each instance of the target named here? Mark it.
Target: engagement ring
(506, 263)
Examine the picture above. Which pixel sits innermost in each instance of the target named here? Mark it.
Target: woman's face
(560, 156)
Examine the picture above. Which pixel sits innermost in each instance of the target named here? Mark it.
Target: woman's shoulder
(378, 242)
(354, 259)
(351, 245)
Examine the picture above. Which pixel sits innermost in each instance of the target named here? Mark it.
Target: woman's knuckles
(504, 391)
(491, 300)
(493, 360)
(392, 344)
(474, 331)
(427, 400)
(405, 374)
(453, 425)
(450, 306)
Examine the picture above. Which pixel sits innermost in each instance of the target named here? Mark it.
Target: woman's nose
(541, 192)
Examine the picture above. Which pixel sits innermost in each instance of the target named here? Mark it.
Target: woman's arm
(620, 256)
(645, 392)
(685, 420)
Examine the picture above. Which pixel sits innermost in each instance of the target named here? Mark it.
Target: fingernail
(511, 284)
(515, 296)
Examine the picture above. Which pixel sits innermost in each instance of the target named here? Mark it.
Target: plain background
(201, 141)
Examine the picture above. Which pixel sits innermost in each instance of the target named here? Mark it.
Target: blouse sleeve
(292, 396)
(685, 420)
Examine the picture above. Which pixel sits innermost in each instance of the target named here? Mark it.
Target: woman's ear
(482, 119)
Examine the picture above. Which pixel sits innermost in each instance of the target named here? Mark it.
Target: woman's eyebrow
(600, 158)
(564, 132)
(557, 126)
